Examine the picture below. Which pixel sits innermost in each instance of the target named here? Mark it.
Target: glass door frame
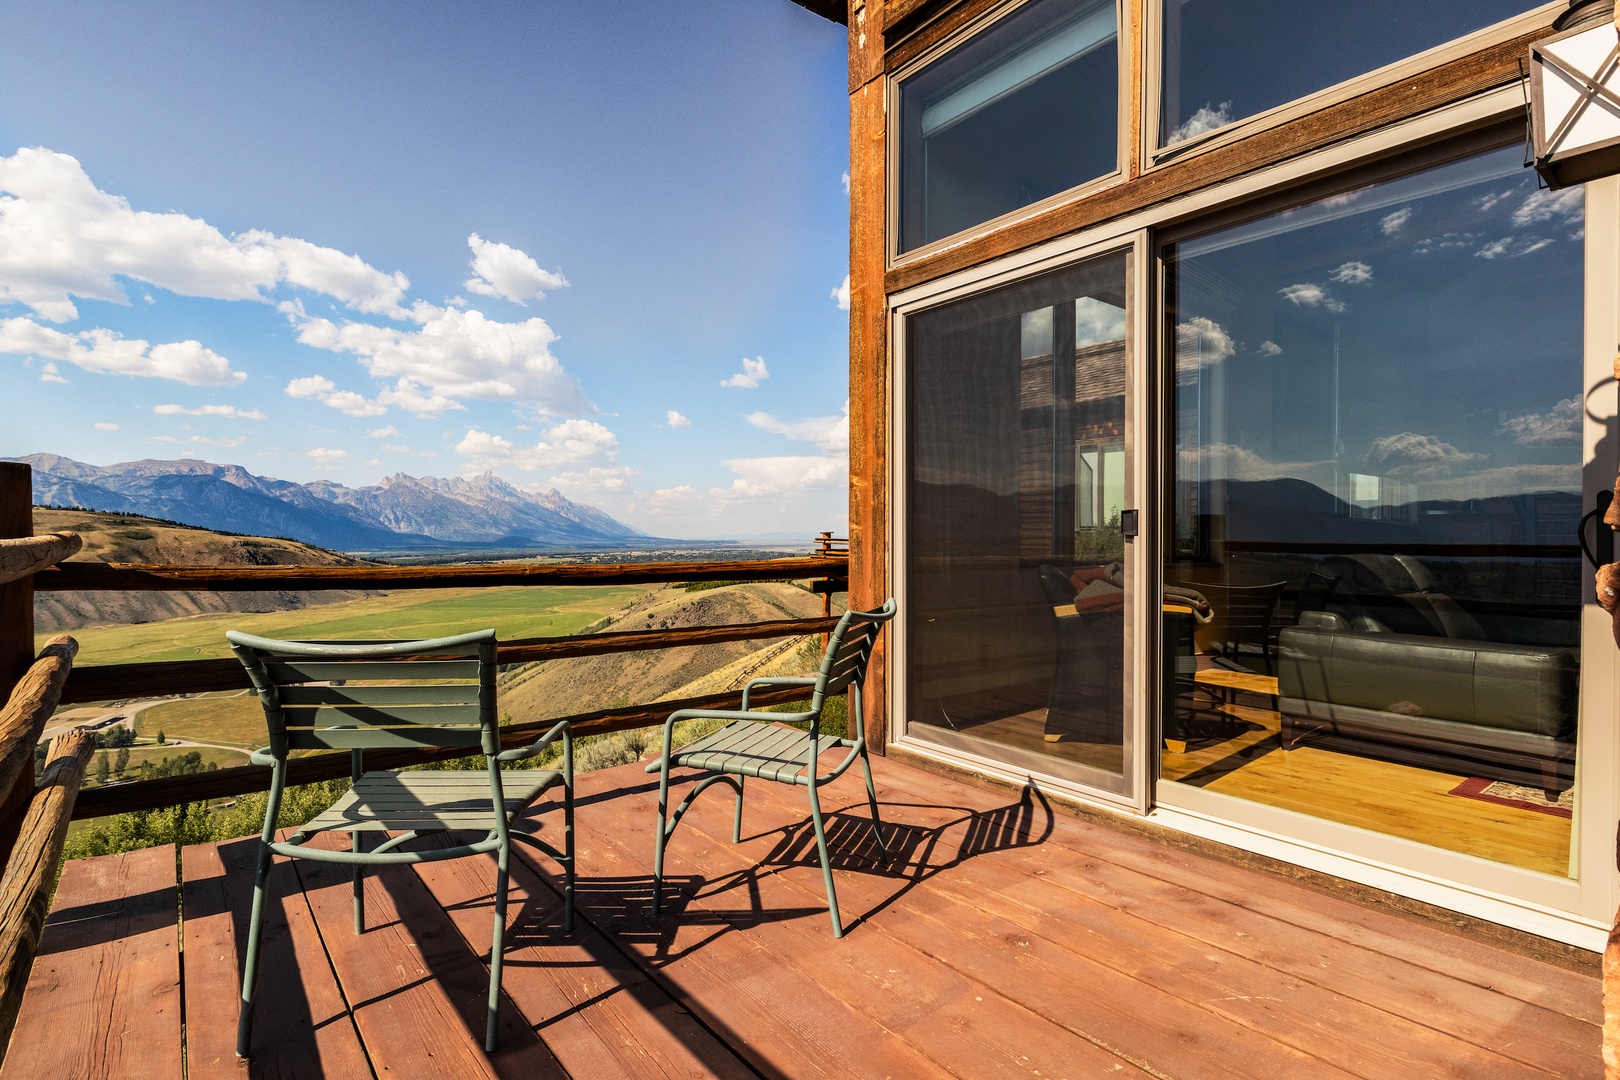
(1578, 909)
(1141, 763)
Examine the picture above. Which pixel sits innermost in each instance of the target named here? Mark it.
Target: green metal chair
(358, 695)
(746, 747)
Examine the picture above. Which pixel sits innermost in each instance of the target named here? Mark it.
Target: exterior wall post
(869, 405)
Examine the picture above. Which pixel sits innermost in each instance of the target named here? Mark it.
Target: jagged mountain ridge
(399, 512)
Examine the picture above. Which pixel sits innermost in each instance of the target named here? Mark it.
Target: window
(1377, 417)
(1224, 60)
(1023, 110)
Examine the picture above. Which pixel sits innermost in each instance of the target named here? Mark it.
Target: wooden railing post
(16, 598)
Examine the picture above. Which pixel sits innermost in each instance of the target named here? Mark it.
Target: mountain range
(401, 513)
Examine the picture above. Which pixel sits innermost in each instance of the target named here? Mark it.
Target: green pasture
(515, 612)
(233, 719)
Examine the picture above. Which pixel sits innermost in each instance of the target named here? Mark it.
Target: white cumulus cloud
(106, 425)
(325, 455)
(1395, 221)
(322, 389)
(209, 410)
(676, 420)
(106, 352)
(389, 432)
(454, 354)
(503, 271)
(840, 295)
(63, 238)
(829, 433)
(767, 476)
(753, 373)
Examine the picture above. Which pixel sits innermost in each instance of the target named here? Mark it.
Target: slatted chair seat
(756, 744)
(360, 695)
(431, 801)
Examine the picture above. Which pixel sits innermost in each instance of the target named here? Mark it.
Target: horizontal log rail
(30, 554)
(22, 722)
(110, 682)
(225, 783)
(137, 577)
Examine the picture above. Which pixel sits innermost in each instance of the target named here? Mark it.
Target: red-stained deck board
(103, 997)
(301, 1022)
(964, 1027)
(597, 1012)
(1083, 898)
(417, 991)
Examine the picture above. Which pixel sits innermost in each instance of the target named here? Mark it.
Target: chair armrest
(563, 729)
(777, 680)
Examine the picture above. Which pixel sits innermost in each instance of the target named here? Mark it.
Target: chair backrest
(849, 649)
(372, 694)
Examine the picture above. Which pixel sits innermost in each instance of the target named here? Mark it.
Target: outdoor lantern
(1575, 97)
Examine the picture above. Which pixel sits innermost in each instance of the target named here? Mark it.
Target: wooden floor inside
(1009, 939)
(1244, 757)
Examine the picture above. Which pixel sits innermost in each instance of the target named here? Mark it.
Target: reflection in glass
(1023, 110)
(1224, 60)
(1015, 480)
(1377, 477)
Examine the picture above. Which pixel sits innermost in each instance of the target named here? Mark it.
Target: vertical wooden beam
(16, 631)
(869, 555)
(17, 598)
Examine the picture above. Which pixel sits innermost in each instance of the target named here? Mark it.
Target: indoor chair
(359, 695)
(754, 744)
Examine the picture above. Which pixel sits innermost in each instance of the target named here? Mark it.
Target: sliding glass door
(1019, 578)
(1378, 427)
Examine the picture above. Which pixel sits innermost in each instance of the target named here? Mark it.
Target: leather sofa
(1458, 705)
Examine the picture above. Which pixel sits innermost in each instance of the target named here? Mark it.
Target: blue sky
(434, 239)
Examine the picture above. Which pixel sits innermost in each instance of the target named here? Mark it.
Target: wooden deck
(1013, 941)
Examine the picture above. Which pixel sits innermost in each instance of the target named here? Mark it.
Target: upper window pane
(1228, 59)
(1021, 111)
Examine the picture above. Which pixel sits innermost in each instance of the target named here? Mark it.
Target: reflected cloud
(1560, 424)
(1410, 456)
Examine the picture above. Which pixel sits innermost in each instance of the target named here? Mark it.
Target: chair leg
(871, 800)
(660, 836)
(502, 857)
(736, 820)
(359, 885)
(826, 863)
(250, 967)
(568, 849)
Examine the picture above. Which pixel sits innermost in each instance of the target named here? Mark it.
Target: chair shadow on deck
(288, 1012)
(917, 852)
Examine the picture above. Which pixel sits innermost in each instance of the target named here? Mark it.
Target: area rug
(1525, 798)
